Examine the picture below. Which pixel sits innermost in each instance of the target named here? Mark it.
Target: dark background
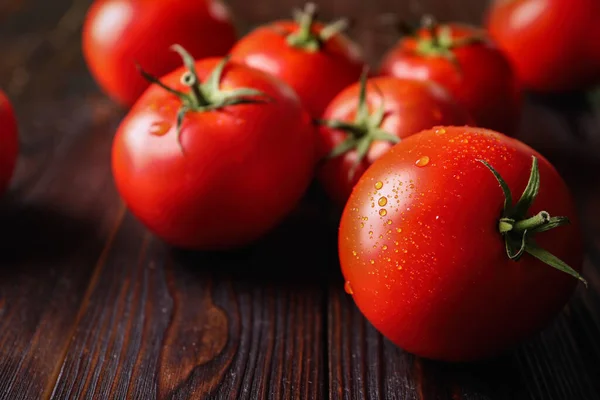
(93, 306)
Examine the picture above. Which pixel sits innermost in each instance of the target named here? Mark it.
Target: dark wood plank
(194, 325)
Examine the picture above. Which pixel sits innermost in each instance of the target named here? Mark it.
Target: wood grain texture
(92, 306)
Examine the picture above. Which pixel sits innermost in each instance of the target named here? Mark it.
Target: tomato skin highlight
(9, 141)
(119, 33)
(410, 107)
(316, 76)
(243, 167)
(484, 83)
(431, 272)
(553, 45)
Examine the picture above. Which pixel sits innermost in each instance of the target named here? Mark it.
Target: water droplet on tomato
(411, 186)
(348, 288)
(362, 224)
(440, 131)
(382, 201)
(370, 233)
(423, 161)
(383, 212)
(372, 262)
(160, 128)
(398, 230)
(384, 247)
(354, 252)
(378, 185)
(389, 222)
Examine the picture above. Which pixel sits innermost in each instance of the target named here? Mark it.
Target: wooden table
(93, 306)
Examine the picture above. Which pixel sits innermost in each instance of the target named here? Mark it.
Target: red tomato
(119, 33)
(316, 60)
(421, 248)
(230, 175)
(392, 109)
(465, 62)
(9, 142)
(553, 44)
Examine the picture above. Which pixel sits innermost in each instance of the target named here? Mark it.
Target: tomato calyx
(205, 96)
(305, 38)
(363, 131)
(519, 230)
(439, 41)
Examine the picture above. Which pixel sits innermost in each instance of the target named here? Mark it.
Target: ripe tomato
(230, 174)
(466, 63)
(316, 60)
(9, 143)
(553, 45)
(421, 247)
(367, 118)
(119, 33)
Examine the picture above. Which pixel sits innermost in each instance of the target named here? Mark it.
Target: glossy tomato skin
(242, 170)
(316, 76)
(119, 33)
(9, 141)
(553, 44)
(427, 265)
(410, 107)
(485, 83)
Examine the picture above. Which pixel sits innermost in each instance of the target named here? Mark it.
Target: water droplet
(370, 233)
(389, 222)
(398, 230)
(440, 131)
(365, 218)
(411, 186)
(380, 236)
(383, 212)
(384, 247)
(423, 161)
(362, 224)
(378, 185)
(160, 128)
(399, 267)
(348, 288)
(382, 201)
(354, 252)
(372, 261)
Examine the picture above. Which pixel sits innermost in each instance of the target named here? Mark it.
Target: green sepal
(206, 96)
(543, 255)
(304, 38)
(364, 130)
(519, 230)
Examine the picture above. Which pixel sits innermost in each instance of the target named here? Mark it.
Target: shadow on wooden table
(301, 250)
(37, 235)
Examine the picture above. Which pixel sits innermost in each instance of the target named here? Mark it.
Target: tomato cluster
(436, 252)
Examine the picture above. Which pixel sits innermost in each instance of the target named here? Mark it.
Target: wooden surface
(94, 307)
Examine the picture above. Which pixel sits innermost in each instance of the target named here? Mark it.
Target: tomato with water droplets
(317, 60)
(368, 117)
(117, 34)
(465, 61)
(553, 44)
(9, 141)
(203, 162)
(460, 266)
